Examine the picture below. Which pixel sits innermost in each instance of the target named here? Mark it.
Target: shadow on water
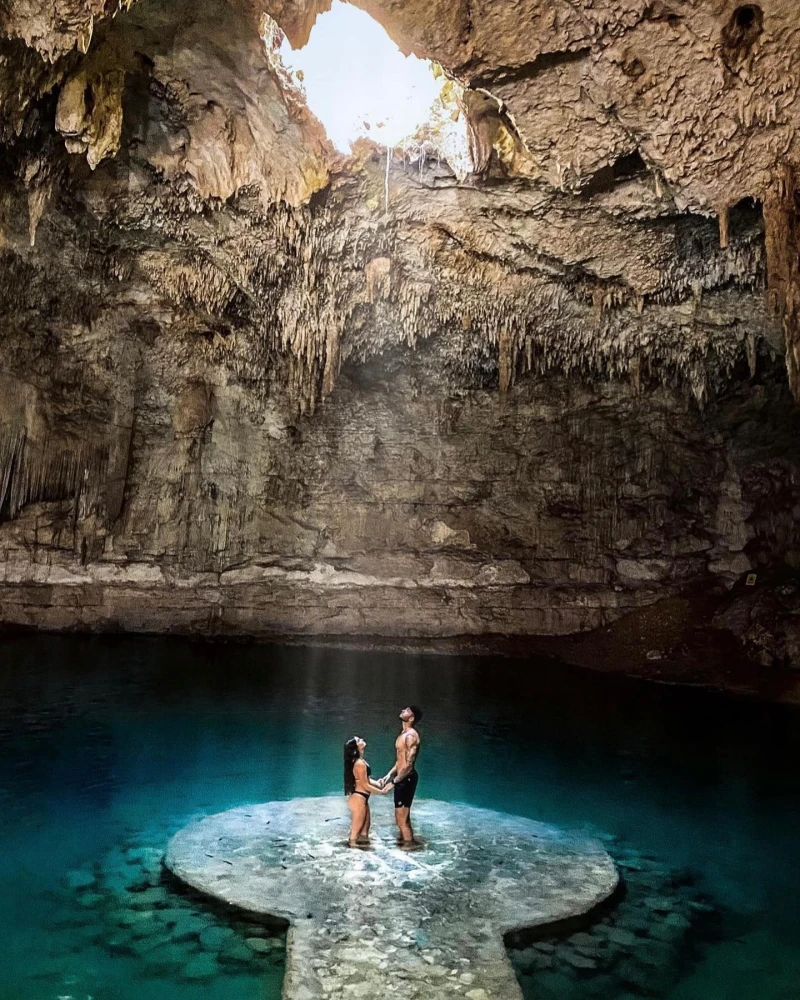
(110, 744)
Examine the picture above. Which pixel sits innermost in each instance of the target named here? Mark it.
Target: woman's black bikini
(369, 774)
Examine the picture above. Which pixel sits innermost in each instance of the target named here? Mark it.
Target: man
(404, 774)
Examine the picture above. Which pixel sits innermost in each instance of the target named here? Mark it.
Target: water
(108, 745)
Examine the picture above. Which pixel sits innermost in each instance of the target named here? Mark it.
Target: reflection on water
(107, 745)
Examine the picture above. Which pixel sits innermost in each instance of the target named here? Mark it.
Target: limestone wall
(397, 508)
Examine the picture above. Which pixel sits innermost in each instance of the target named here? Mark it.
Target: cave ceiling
(630, 213)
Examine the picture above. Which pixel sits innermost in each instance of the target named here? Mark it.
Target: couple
(403, 778)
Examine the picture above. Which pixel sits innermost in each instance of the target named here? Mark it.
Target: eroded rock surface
(245, 389)
(390, 922)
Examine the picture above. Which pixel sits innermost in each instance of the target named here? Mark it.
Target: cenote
(109, 745)
(336, 327)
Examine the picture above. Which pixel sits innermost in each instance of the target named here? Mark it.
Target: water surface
(111, 743)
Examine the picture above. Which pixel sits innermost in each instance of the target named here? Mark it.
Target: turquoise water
(109, 745)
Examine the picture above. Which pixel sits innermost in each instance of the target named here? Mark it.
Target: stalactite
(305, 279)
(38, 197)
(782, 235)
(752, 356)
(89, 113)
(506, 359)
(724, 227)
(84, 39)
(379, 279)
(32, 471)
(636, 374)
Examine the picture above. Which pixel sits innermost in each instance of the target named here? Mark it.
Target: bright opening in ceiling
(359, 85)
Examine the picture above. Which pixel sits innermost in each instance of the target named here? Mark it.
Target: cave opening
(744, 26)
(359, 85)
(745, 17)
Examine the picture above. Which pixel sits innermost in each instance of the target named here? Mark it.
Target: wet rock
(214, 938)
(622, 937)
(699, 906)
(636, 922)
(639, 950)
(133, 918)
(579, 961)
(142, 946)
(167, 959)
(119, 944)
(138, 885)
(659, 904)
(294, 867)
(678, 921)
(90, 900)
(668, 933)
(260, 945)
(148, 899)
(146, 858)
(183, 926)
(79, 879)
(200, 967)
(235, 951)
(643, 978)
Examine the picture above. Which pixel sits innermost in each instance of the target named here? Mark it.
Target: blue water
(109, 744)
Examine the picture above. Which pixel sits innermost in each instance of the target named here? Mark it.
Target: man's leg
(402, 816)
(404, 793)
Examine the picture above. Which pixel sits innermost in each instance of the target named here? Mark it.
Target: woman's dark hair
(417, 713)
(350, 757)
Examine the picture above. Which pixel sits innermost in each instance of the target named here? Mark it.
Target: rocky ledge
(385, 921)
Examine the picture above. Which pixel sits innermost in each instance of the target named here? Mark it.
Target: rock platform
(384, 922)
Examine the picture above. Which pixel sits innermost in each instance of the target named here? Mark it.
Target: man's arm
(411, 741)
(388, 777)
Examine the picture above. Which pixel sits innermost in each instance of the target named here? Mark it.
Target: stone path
(384, 922)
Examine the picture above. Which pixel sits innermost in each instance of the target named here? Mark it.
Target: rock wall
(397, 508)
(250, 386)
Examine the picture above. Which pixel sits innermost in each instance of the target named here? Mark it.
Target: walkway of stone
(383, 922)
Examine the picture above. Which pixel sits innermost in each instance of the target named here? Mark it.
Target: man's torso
(404, 742)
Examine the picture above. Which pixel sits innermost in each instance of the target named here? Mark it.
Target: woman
(358, 785)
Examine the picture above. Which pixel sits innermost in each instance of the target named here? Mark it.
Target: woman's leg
(363, 833)
(357, 806)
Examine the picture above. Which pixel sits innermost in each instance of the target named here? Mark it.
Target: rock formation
(250, 389)
(487, 876)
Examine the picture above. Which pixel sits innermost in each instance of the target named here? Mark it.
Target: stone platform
(426, 925)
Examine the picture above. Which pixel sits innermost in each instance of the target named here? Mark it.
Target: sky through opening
(358, 83)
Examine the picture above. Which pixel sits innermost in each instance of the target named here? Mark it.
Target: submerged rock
(79, 879)
(667, 942)
(200, 967)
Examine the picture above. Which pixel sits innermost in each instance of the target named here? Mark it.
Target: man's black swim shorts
(405, 790)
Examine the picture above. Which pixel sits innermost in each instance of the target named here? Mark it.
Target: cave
(445, 350)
